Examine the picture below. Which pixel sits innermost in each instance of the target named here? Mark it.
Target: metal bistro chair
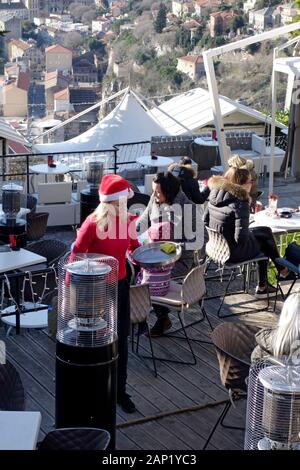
(75, 439)
(140, 308)
(218, 251)
(234, 344)
(179, 298)
(295, 270)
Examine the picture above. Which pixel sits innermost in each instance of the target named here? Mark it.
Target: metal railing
(17, 167)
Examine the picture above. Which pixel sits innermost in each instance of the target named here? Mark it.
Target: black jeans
(268, 247)
(123, 333)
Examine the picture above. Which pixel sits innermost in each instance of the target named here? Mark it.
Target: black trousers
(123, 333)
(268, 247)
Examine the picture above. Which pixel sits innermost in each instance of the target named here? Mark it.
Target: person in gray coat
(228, 212)
(282, 341)
(170, 215)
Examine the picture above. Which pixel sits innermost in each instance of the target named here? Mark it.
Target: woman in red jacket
(110, 230)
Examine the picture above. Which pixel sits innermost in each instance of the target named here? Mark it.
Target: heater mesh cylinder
(87, 300)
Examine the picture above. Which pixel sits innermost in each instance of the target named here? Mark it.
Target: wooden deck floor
(176, 387)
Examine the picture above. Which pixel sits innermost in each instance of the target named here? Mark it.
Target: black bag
(292, 253)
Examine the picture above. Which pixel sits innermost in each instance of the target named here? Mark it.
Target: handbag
(292, 253)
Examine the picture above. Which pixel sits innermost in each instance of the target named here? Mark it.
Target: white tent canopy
(9, 133)
(128, 122)
(193, 110)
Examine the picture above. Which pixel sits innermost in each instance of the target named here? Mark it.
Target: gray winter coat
(228, 212)
(183, 230)
(264, 348)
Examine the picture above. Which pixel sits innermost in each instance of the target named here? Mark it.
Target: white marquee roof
(9, 133)
(128, 122)
(194, 110)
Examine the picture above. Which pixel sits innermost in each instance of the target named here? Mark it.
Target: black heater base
(89, 200)
(86, 387)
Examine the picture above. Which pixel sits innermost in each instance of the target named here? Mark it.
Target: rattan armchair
(75, 439)
(234, 344)
(12, 395)
(36, 225)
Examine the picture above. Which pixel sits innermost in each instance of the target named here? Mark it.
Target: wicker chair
(179, 298)
(234, 344)
(218, 251)
(140, 308)
(75, 439)
(31, 203)
(12, 395)
(51, 249)
(36, 225)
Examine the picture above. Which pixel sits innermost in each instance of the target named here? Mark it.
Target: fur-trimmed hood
(223, 191)
(184, 171)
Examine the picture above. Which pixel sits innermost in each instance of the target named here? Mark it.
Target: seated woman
(236, 161)
(188, 180)
(228, 212)
(284, 339)
(170, 215)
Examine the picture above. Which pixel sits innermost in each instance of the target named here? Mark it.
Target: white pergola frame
(208, 57)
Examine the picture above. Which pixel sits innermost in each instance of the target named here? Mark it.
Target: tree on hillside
(96, 46)
(237, 22)
(161, 19)
(72, 40)
(28, 30)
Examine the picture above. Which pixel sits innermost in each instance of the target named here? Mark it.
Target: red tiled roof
(191, 24)
(223, 14)
(195, 59)
(57, 49)
(23, 81)
(208, 3)
(62, 95)
(19, 43)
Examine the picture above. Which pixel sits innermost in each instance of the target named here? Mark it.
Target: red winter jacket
(116, 243)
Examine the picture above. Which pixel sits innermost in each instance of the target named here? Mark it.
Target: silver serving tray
(151, 256)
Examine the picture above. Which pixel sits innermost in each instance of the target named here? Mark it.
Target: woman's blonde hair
(288, 329)
(105, 212)
(237, 175)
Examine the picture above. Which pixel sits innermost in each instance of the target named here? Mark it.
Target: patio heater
(86, 349)
(12, 227)
(89, 198)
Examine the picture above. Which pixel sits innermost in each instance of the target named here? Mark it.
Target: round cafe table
(146, 160)
(44, 169)
(206, 141)
(277, 224)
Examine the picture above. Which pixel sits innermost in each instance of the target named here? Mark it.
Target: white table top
(277, 224)
(160, 161)
(37, 319)
(23, 211)
(206, 141)
(44, 169)
(19, 430)
(19, 259)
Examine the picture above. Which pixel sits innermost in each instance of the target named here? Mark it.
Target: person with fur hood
(228, 213)
(187, 176)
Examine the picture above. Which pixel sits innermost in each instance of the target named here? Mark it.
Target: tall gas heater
(89, 197)
(86, 351)
(12, 228)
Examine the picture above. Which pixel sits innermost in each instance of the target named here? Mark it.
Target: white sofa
(58, 200)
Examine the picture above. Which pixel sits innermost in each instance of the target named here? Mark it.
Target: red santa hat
(113, 187)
